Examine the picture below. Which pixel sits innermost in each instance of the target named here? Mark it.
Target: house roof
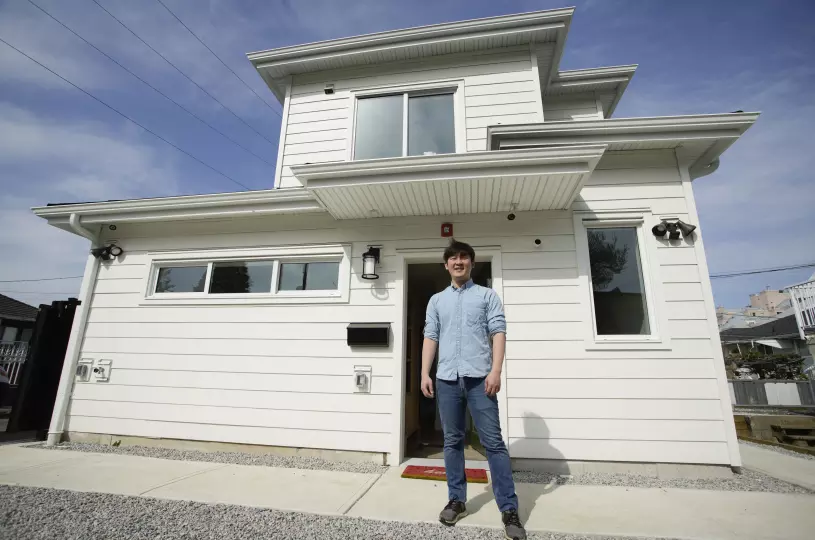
(538, 27)
(781, 327)
(608, 84)
(16, 310)
(700, 139)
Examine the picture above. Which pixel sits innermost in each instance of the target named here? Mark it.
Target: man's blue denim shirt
(462, 320)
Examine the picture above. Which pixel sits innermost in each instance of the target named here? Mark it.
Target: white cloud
(45, 160)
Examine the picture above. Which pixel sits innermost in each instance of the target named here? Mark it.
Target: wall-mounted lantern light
(673, 230)
(369, 261)
(107, 253)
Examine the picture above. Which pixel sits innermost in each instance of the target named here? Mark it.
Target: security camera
(537, 241)
(329, 89)
(511, 216)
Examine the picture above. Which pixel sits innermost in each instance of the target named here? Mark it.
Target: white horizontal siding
(605, 450)
(297, 438)
(294, 358)
(499, 88)
(571, 107)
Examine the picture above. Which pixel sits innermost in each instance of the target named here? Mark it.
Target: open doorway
(423, 433)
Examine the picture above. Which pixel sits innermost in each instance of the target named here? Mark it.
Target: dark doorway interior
(423, 433)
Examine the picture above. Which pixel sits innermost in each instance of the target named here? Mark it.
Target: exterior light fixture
(369, 261)
(107, 253)
(673, 229)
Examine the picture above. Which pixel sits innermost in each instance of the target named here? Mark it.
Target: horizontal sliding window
(254, 277)
(405, 124)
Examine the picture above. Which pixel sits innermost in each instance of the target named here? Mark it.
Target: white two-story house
(292, 317)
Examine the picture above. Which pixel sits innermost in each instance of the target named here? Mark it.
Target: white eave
(550, 26)
(699, 139)
(197, 207)
(607, 83)
(472, 182)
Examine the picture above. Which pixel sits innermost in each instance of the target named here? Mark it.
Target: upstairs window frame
(430, 88)
(339, 253)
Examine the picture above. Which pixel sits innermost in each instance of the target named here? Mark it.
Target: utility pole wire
(41, 279)
(123, 115)
(181, 72)
(162, 94)
(764, 271)
(218, 57)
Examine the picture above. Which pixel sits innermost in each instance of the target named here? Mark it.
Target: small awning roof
(467, 183)
(699, 139)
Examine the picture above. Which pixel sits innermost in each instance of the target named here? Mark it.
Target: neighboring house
(764, 306)
(226, 318)
(16, 320)
(779, 336)
(803, 306)
(770, 300)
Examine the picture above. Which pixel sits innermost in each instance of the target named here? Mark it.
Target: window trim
(642, 220)
(429, 88)
(297, 254)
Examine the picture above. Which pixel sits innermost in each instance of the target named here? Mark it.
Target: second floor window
(406, 124)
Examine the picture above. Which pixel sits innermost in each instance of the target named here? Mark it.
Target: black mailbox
(369, 334)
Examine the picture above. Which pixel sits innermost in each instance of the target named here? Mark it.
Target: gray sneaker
(513, 530)
(454, 511)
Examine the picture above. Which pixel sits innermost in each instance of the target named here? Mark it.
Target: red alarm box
(446, 230)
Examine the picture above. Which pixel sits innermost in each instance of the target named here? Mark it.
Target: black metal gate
(39, 380)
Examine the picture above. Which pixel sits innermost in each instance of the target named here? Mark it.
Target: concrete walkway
(798, 471)
(601, 510)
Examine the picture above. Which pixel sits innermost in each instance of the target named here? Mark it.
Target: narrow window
(316, 276)
(620, 305)
(431, 129)
(379, 127)
(181, 279)
(242, 277)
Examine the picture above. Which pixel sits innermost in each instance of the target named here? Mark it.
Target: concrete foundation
(653, 470)
(212, 446)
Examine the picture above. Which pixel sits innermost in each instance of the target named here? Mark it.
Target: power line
(162, 94)
(40, 279)
(181, 72)
(37, 292)
(123, 115)
(218, 57)
(762, 271)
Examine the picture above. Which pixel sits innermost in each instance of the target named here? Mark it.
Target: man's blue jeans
(454, 397)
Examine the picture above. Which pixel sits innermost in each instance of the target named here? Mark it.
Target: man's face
(459, 266)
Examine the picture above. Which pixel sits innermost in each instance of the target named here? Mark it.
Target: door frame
(404, 257)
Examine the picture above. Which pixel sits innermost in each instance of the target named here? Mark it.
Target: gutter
(710, 168)
(77, 335)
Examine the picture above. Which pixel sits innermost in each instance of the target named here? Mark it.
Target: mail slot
(369, 334)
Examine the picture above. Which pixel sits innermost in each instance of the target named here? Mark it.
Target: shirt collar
(463, 287)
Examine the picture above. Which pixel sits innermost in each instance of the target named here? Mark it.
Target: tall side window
(621, 306)
(404, 124)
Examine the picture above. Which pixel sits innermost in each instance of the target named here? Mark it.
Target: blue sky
(58, 145)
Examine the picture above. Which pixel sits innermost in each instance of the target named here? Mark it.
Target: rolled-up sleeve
(496, 322)
(431, 321)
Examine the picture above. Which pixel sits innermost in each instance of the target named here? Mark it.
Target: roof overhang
(472, 182)
(197, 207)
(607, 83)
(550, 26)
(699, 139)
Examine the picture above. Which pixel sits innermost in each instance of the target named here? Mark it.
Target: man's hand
(492, 384)
(427, 386)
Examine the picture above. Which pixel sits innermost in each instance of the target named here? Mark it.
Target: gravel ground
(237, 458)
(779, 450)
(746, 481)
(37, 513)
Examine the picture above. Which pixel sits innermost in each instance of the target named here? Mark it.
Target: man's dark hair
(455, 247)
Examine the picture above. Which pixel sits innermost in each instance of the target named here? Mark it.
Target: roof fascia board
(738, 122)
(306, 51)
(446, 162)
(596, 73)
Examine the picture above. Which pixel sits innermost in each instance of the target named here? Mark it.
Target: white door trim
(410, 256)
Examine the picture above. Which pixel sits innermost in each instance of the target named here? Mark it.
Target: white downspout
(66, 379)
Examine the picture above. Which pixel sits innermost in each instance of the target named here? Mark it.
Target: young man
(466, 322)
